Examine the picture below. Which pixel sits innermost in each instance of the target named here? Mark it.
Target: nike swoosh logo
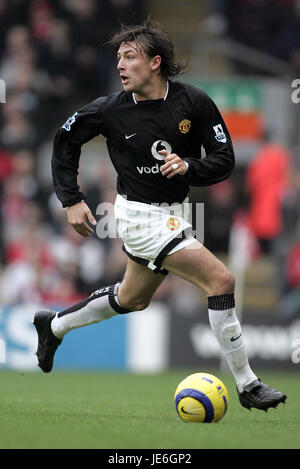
(129, 136)
(184, 412)
(235, 338)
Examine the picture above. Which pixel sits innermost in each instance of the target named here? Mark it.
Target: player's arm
(78, 129)
(219, 161)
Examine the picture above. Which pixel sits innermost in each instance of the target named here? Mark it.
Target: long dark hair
(154, 41)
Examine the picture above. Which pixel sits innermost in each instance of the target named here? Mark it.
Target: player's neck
(157, 90)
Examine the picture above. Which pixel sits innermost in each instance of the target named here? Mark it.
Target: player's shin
(227, 330)
(100, 305)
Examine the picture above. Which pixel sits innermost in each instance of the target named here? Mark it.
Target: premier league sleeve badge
(220, 135)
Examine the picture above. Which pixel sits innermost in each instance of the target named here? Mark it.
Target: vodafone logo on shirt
(157, 146)
(148, 170)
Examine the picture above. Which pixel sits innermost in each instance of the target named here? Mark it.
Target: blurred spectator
(288, 248)
(40, 16)
(6, 170)
(84, 258)
(56, 59)
(291, 206)
(18, 130)
(19, 50)
(6, 164)
(218, 212)
(29, 264)
(7, 19)
(267, 179)
(25, 85)
(87, 37)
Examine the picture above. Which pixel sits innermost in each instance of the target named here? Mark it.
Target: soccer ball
(201, 397)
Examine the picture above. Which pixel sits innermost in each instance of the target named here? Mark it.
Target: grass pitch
(118, 411)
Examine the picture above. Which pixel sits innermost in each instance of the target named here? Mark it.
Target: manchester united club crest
(184, 126)
(173, 223)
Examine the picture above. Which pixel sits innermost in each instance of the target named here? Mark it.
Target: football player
(154, 129)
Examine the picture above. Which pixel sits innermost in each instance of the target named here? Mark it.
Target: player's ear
(156, 61)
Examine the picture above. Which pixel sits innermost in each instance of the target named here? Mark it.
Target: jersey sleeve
(81, 127)
(219, 160)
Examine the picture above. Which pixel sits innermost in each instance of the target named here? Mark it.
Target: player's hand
(78, 215)
(173, 165)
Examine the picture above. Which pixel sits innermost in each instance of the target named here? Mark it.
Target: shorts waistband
(174, 209)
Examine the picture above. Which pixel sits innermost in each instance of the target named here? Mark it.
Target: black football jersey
(183, 122)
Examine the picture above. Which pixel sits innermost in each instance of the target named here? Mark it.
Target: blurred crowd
(53, 59)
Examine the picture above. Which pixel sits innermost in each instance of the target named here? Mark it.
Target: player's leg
(133, 294)
(198, 265)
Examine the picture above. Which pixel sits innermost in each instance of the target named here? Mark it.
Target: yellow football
(201, 397)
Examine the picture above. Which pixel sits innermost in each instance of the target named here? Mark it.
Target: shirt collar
(165, 97)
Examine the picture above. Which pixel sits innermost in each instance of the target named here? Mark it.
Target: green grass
(109, 410)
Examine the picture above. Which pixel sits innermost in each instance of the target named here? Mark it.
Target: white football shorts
(151, 232)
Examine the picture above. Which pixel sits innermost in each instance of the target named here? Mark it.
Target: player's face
(135, 67)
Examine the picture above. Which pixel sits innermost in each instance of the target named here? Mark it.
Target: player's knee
(228, 282)
(225, 283)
